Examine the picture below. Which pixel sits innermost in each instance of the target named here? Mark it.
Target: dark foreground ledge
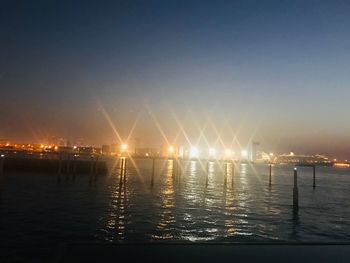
(254, 252)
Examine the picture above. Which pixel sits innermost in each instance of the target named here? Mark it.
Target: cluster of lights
(124, 147)
(171, 149)
(244, 154)
(213, 153)
(194, 152)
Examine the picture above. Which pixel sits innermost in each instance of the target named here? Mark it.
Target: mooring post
(174, 167)
(233, 174)
(121, 164)
(96, 168)
(125, 162)
(59, 168)
(314, 178)
(207, 175)
(178, 167)
(2, 160)
(179, 171)
(153, 166)
(68, 163)
(67, 167)
(295, 191)
(91, 168)
(270, 168)
(121, 161)
(121, 171)
(225, 171)
(74, 166)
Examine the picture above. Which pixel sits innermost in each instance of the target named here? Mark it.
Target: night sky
(277, 72)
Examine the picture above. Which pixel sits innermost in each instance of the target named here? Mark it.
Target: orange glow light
(342, 165)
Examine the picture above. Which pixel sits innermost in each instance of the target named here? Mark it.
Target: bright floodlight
(171, 149)
(244, 153)
(193, 152)
(228, 152)
(124, 147)
(212, 152)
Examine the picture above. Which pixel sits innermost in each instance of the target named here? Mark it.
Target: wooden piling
(121, 164)
(59, 168)
(91, 168)
(68, 164)
(174, 167)
(177, 168)
(233, 174)
(225, 175)
(2, 160)
(180, 168)
(314, 177)
(207, 175)
(295, 192)
(153, 167)
(179, 171)
(96, 168)
(121, 160)
(74, 166)
(270, 173)
(121, 171)
(125, 162)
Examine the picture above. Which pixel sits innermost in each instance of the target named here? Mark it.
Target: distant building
(148, 152)
(86, 150)
(65, 149)
(115, 148)
(106, 149)
(62, 142)
(253, 152)
(299, 158)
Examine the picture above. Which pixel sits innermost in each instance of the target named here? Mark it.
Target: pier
(59, 163)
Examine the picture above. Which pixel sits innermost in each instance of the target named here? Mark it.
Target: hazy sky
(274, 71)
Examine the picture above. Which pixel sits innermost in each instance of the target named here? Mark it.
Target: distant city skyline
(198, 72)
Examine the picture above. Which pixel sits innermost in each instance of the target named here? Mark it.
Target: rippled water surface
(37, 213)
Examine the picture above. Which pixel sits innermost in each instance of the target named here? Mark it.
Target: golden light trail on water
(123, 143)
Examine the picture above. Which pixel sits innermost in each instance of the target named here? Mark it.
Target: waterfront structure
(253, 152)
(300, 159)
(106, 149)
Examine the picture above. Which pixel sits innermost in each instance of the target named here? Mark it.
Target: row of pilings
(177, 172)
(70, 166)
(66, 166)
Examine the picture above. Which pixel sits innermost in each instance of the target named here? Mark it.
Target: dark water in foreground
(37, 214)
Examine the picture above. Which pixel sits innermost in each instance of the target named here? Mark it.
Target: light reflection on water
(177, 208)
(186, 208)
(167, 204)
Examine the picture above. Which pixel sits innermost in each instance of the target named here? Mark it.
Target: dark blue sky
(275, 71)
